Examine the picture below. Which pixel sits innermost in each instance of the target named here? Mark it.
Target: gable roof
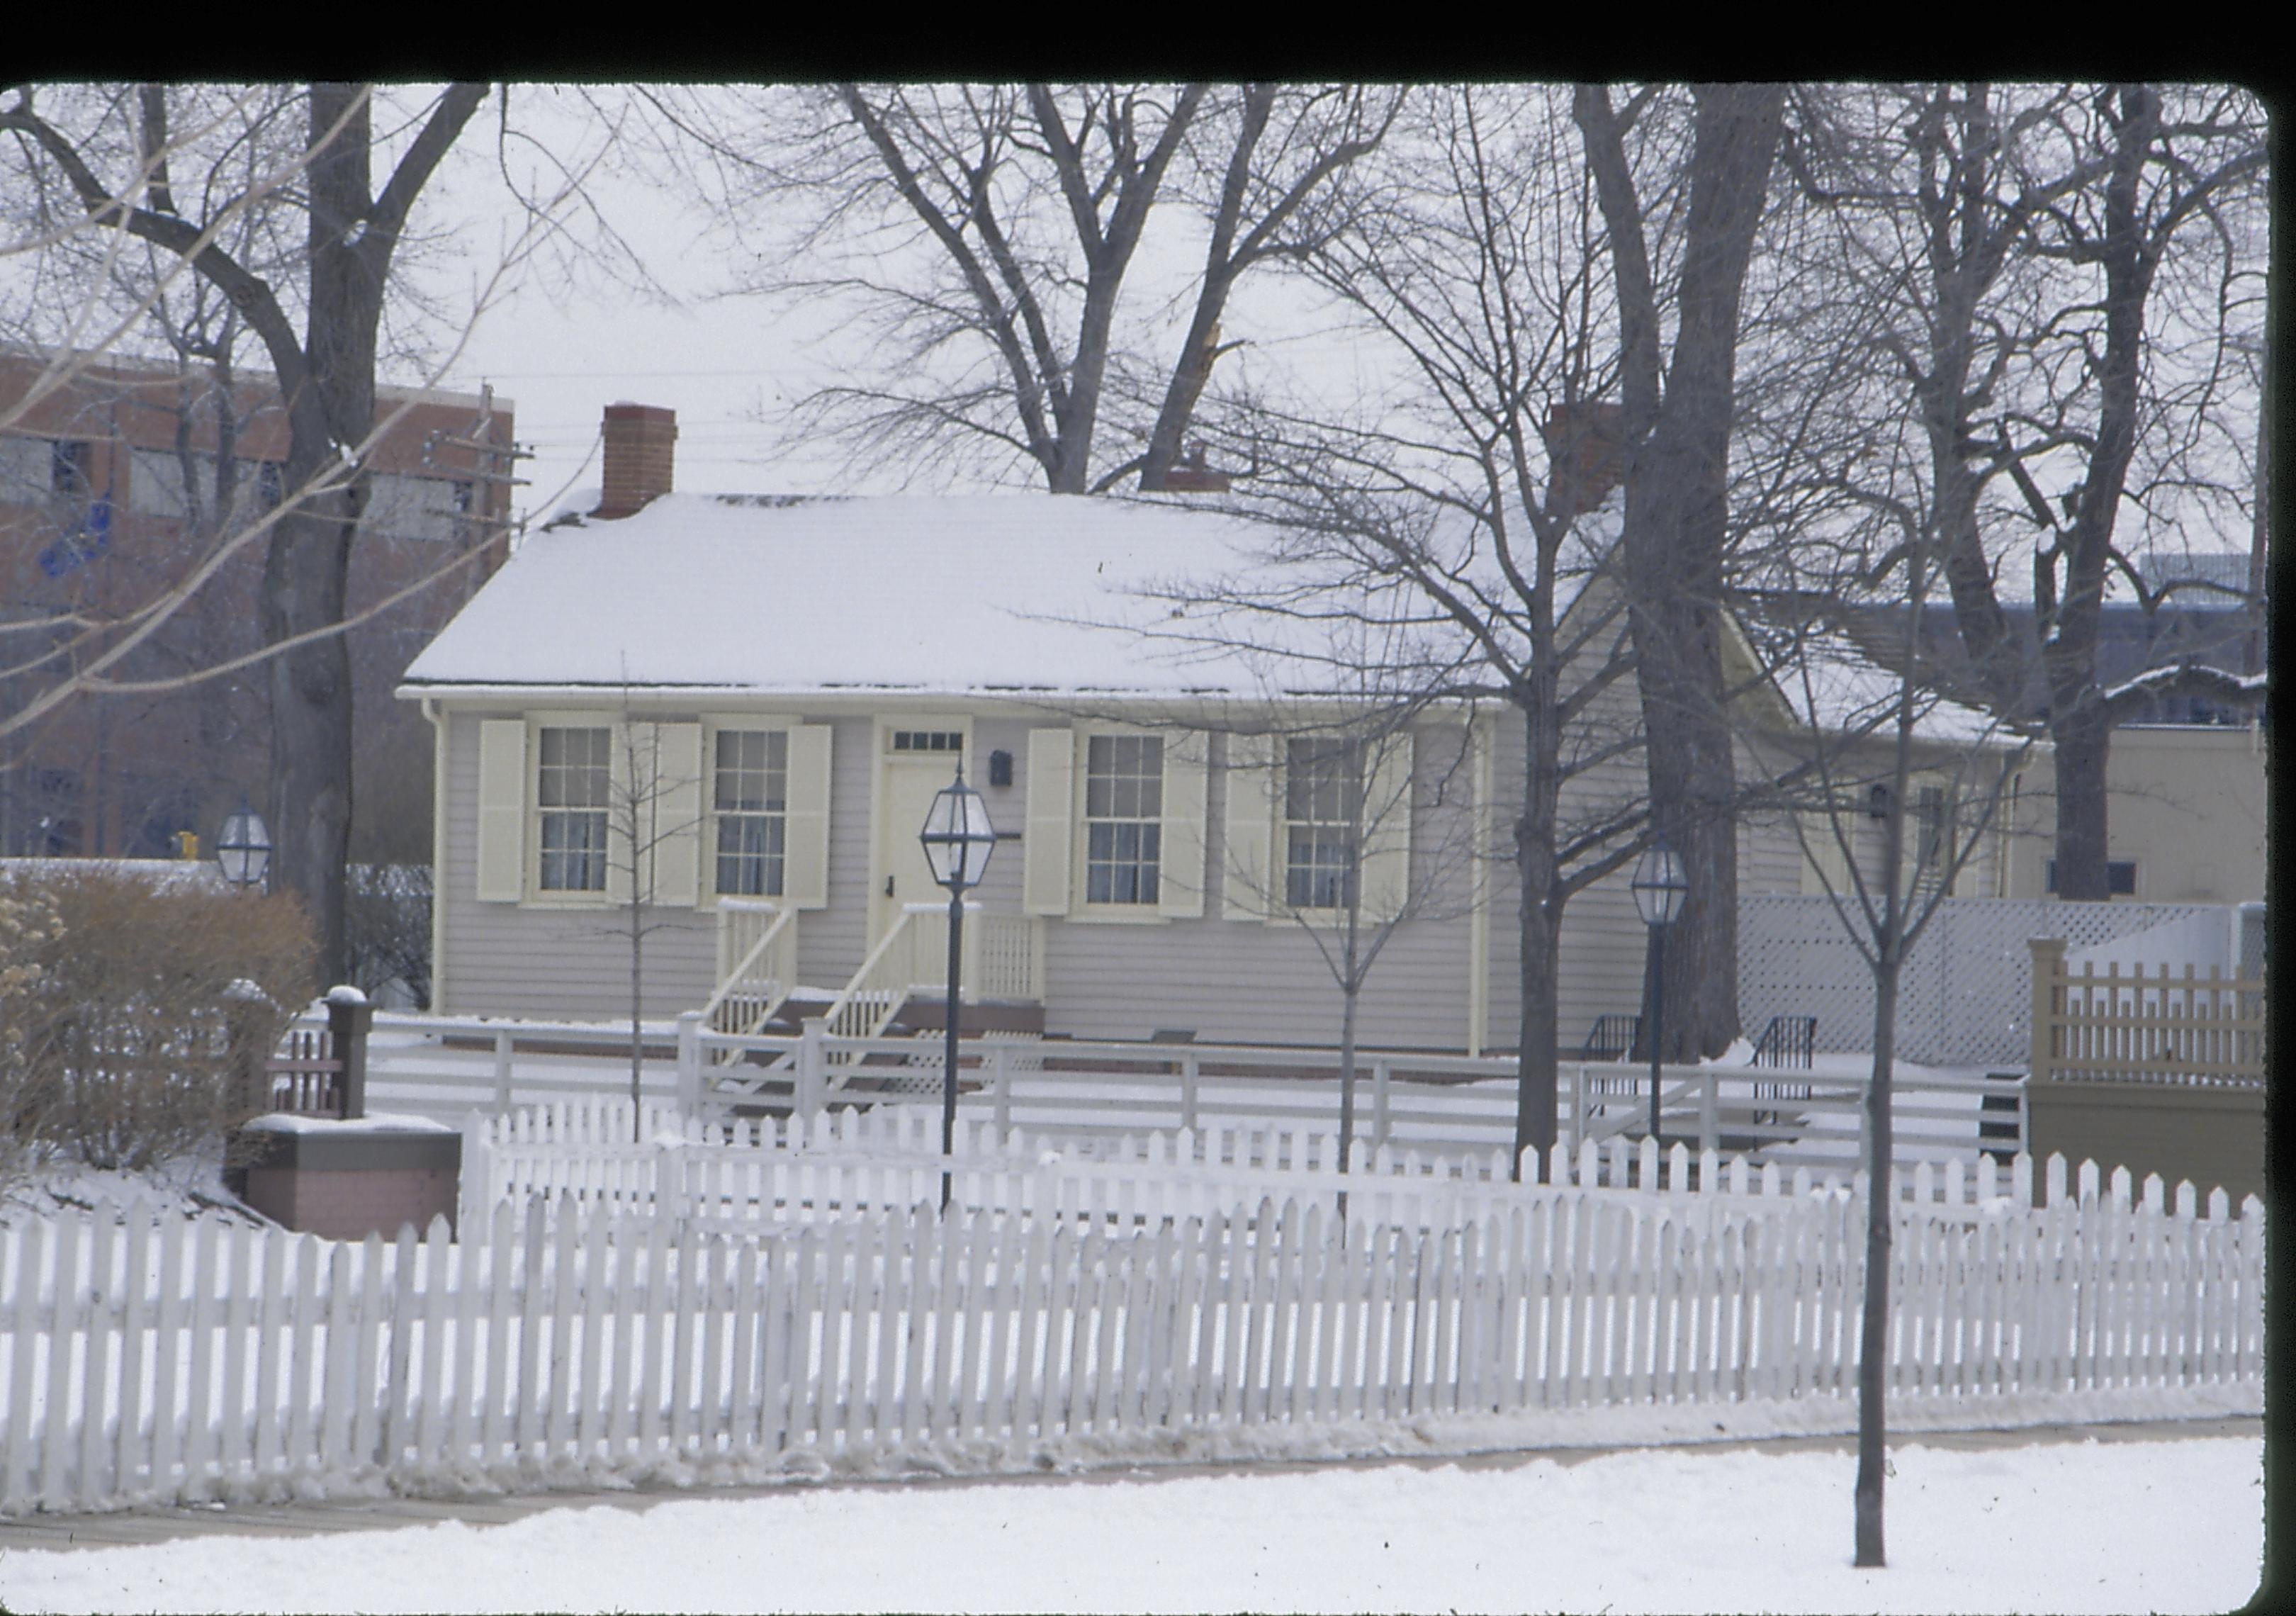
(937, 594)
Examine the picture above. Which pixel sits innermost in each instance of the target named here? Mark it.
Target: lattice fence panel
(1966, 993)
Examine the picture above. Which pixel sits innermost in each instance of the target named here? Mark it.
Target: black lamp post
(1660, 886)
(957, 840)
(243, 847)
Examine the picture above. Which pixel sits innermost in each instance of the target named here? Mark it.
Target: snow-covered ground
(2068, 1526)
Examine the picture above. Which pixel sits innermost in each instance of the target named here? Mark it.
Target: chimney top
(641, 445)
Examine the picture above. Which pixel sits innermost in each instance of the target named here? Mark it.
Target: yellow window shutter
(1248, 827)
(1180, 880)
(675, 830)
(805, 840)
(624, 807)
(502, 810)
(1045, 846)
(1386, 871)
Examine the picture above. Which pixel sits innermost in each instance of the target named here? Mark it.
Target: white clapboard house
(767, 693)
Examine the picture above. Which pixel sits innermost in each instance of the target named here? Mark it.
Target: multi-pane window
(70, 466)
(752, 802)
(1321, 778)
(570, 790)
(1123, 810)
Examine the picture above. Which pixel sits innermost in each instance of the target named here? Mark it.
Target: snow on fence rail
(144, 1364)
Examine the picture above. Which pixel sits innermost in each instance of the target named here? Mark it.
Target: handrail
(868, 1003)
(779, 982)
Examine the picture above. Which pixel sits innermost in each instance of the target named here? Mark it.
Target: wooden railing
(2144, 1028)
(320, 1071)
(756, 964)
(868, 1003)
(1008, 957)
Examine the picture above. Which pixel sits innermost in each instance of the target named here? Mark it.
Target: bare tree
(326, 375)
(1470, 524)
(1704, 188)
(988, 237)
(2075, 279)
(1864, 750)
(109, 167)
(1355, 855)
(652, 809)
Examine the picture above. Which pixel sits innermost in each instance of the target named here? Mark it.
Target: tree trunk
(304, 578)
(637, 1014)
(1676, 520)
(1539, 923)
(2082, 738)
(1873, 1331)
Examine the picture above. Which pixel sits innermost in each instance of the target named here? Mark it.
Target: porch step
(924, 1014)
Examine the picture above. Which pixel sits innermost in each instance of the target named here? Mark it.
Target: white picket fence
(849, 1163)
(144, 1364)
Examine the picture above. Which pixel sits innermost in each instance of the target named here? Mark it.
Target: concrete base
(347, 1180)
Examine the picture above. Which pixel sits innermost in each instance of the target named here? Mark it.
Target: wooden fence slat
(101, 1223)
(270, 1326)
(124, 1461)
(398, 1393)
(503, 1259)
(303, 1359)
(596, 1252)
(711, 1399)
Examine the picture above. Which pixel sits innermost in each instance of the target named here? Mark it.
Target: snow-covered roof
(952, 595)
(1828, 683)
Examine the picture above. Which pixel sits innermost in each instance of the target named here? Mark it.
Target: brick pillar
(640, 448)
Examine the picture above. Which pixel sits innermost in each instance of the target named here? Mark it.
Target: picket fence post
(503, 1073)
(689, 1062)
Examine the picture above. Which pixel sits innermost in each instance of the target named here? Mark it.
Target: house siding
(1222, 979)
(552, 963)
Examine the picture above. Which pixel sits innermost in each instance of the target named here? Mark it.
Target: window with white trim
(1322, 781)
(750, 803)
(1123, 814)
(571, 783)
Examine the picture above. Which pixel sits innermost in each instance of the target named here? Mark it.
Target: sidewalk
(128, 1527)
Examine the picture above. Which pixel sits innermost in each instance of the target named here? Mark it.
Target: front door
(917, 763)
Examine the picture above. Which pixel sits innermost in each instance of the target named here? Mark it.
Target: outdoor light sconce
(1877, 803)
(1000, 769)
(243, 847)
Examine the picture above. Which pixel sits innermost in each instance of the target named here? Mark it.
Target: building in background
(114, 488)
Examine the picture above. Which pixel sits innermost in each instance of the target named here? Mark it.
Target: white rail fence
(146, 1365)
(1080, 1089)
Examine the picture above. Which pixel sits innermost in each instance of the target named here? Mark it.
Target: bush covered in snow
(124, 1038)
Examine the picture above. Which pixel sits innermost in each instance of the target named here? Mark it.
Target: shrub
(28, 923)
(387, 927)
(130, 1042)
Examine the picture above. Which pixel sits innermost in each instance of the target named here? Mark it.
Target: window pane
(1123, 798)
(749, 794)
(1321, 778)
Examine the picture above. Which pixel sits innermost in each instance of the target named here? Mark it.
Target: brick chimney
(641, 445)
(1585, 450)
